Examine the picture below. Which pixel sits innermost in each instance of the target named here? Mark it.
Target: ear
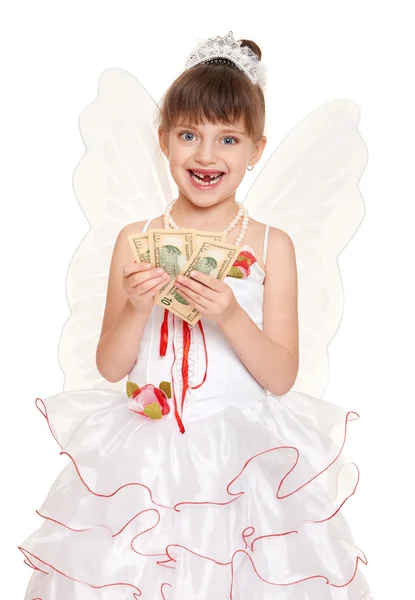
(163, 141)
(258, 150)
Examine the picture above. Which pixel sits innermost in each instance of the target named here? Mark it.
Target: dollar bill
(140, 246)
(209, 236)
(212, 258)
(171, 249)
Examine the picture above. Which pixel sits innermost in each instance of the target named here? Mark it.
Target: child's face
(224, 148)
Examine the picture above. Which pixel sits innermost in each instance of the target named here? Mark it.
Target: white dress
(243, 505)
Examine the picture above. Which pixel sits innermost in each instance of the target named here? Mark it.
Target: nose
(206, 154)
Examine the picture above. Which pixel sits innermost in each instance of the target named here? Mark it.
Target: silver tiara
(214, 49)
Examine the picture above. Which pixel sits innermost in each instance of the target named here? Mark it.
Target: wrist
(232, 319)
(136, 311)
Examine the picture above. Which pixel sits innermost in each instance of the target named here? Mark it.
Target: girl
(230, 491)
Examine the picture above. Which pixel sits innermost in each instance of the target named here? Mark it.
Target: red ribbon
(164, 333)
(164, 338)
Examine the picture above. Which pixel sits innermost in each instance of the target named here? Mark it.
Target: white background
(52, 56)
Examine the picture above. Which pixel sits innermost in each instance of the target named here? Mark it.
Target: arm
(123, 324)
(271, 355)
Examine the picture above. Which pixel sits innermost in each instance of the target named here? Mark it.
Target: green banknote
(140, 246)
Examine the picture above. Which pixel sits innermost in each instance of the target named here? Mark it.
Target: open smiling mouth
(207, 181)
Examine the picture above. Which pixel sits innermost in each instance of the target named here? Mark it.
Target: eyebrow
(223, 130)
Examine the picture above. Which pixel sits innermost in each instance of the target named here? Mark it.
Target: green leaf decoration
(131, 387)
(165, 387)
(235, 272)
(153, 411)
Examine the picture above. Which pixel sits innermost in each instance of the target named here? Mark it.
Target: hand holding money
(140, 282)
(214, 260)
(180, 251)
(212, 298)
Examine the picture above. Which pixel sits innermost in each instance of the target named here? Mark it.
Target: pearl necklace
(170, 222)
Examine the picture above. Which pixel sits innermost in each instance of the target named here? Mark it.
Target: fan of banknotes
(180, 251)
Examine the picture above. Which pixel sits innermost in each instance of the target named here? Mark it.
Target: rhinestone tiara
(228, 48)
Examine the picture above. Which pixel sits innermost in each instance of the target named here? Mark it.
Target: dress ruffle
(244, 506)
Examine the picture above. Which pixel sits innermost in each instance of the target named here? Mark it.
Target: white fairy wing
(121, 178)
(309, 188)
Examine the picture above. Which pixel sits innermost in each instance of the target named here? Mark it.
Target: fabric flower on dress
(241, 267)
(149, 401)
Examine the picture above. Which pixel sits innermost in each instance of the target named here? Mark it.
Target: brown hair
(215, 93)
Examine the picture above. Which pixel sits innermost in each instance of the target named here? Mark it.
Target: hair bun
(254, 47)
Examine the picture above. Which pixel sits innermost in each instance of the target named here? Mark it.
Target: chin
(201, 202)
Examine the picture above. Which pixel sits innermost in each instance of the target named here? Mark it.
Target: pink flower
(149, 401)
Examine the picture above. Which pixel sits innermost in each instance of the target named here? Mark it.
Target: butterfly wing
(309, 188)
(121, 178)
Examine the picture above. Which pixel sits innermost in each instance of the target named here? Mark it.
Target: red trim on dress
(247, 531)
(96, 587)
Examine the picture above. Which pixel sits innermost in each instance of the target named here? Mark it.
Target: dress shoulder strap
(264, 254)
(146, 225)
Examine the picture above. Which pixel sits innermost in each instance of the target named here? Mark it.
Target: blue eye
(186, 133)
(231, 138)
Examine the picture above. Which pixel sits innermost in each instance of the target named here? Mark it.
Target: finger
(207, 280)
(198, 300)
(154, 282)
(135, 267)
(199, 288)
(148, 275)
(158, 283)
